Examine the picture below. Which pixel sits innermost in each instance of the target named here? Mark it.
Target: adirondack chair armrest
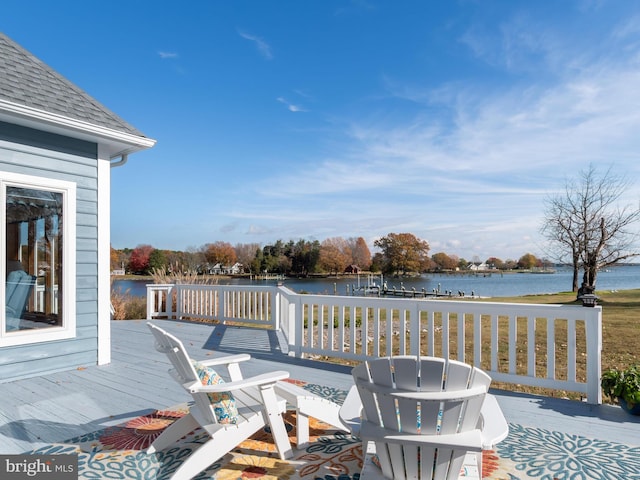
(226, 360)
(351, 411)
(263, 380)
(492, 423)
(471, 440)
(230, 362)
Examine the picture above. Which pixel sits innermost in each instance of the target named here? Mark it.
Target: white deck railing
(223, 303)
(549, 346)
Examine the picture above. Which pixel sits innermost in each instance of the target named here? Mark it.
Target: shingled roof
(27, 81)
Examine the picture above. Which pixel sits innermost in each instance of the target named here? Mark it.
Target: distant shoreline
(354, 275)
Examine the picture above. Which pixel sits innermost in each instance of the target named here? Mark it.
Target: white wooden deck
(41, 410)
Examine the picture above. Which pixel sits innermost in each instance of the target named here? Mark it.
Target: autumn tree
(495, 263)
(220, 252)
(588, 227)
(114, 259)
(443, 261)
(360, 253)
(120, 258)
(510, 264)
(335, 255)
(527, 261)
(139, 259)
(402, 252)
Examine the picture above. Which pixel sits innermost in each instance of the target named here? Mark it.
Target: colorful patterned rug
(528, 453)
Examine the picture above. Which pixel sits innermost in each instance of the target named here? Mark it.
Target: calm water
(493, 285)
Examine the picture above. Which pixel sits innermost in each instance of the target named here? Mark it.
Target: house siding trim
(104, 258)
(121, 142)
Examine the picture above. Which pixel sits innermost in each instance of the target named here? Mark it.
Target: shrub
(179, 275)
(136, 308)
(128, 307)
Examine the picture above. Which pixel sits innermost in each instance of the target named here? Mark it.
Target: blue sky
(314, 119)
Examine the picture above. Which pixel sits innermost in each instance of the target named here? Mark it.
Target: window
(39, 272)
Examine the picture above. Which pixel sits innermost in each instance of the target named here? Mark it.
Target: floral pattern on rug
(546, 455)
(139, 433)
(527, 453)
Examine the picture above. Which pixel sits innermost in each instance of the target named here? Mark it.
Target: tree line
(399, 253)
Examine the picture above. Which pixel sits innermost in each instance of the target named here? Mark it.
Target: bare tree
(246, 252)
(587, 226)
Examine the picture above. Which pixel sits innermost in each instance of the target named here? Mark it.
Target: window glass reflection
(33, 258)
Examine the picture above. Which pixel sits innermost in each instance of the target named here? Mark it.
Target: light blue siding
(31, 152)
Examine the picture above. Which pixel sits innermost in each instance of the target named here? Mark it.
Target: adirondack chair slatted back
(183, 371)
(409, 398)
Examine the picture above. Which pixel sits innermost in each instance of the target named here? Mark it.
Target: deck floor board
(59, 406)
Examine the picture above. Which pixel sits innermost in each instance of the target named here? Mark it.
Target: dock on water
(371, 288)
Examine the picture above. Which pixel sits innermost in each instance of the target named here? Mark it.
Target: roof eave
(118, 143)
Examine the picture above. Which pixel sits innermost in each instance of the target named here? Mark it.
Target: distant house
(219, 269)
(235, 269)
(479, 267)
(352, 269)
(57, 147)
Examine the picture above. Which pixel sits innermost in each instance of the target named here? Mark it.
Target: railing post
(179, 301)
(292, 325)
(298, 321)
(169, 301)
(151, 294)
(275, 308)
(415, 339)
(155, 294)
(593, 330)
(222, 305)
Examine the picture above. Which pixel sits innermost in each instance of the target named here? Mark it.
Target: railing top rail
(446, 304)
(203, 286)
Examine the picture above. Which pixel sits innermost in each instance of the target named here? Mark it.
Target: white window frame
(68, 328)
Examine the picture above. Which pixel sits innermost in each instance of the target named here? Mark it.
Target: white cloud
(290, 106)
(165, 55)
(262, 46)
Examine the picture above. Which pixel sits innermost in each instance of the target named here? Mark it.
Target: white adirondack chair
(255, 399)
(422, 417)
(18, 288)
